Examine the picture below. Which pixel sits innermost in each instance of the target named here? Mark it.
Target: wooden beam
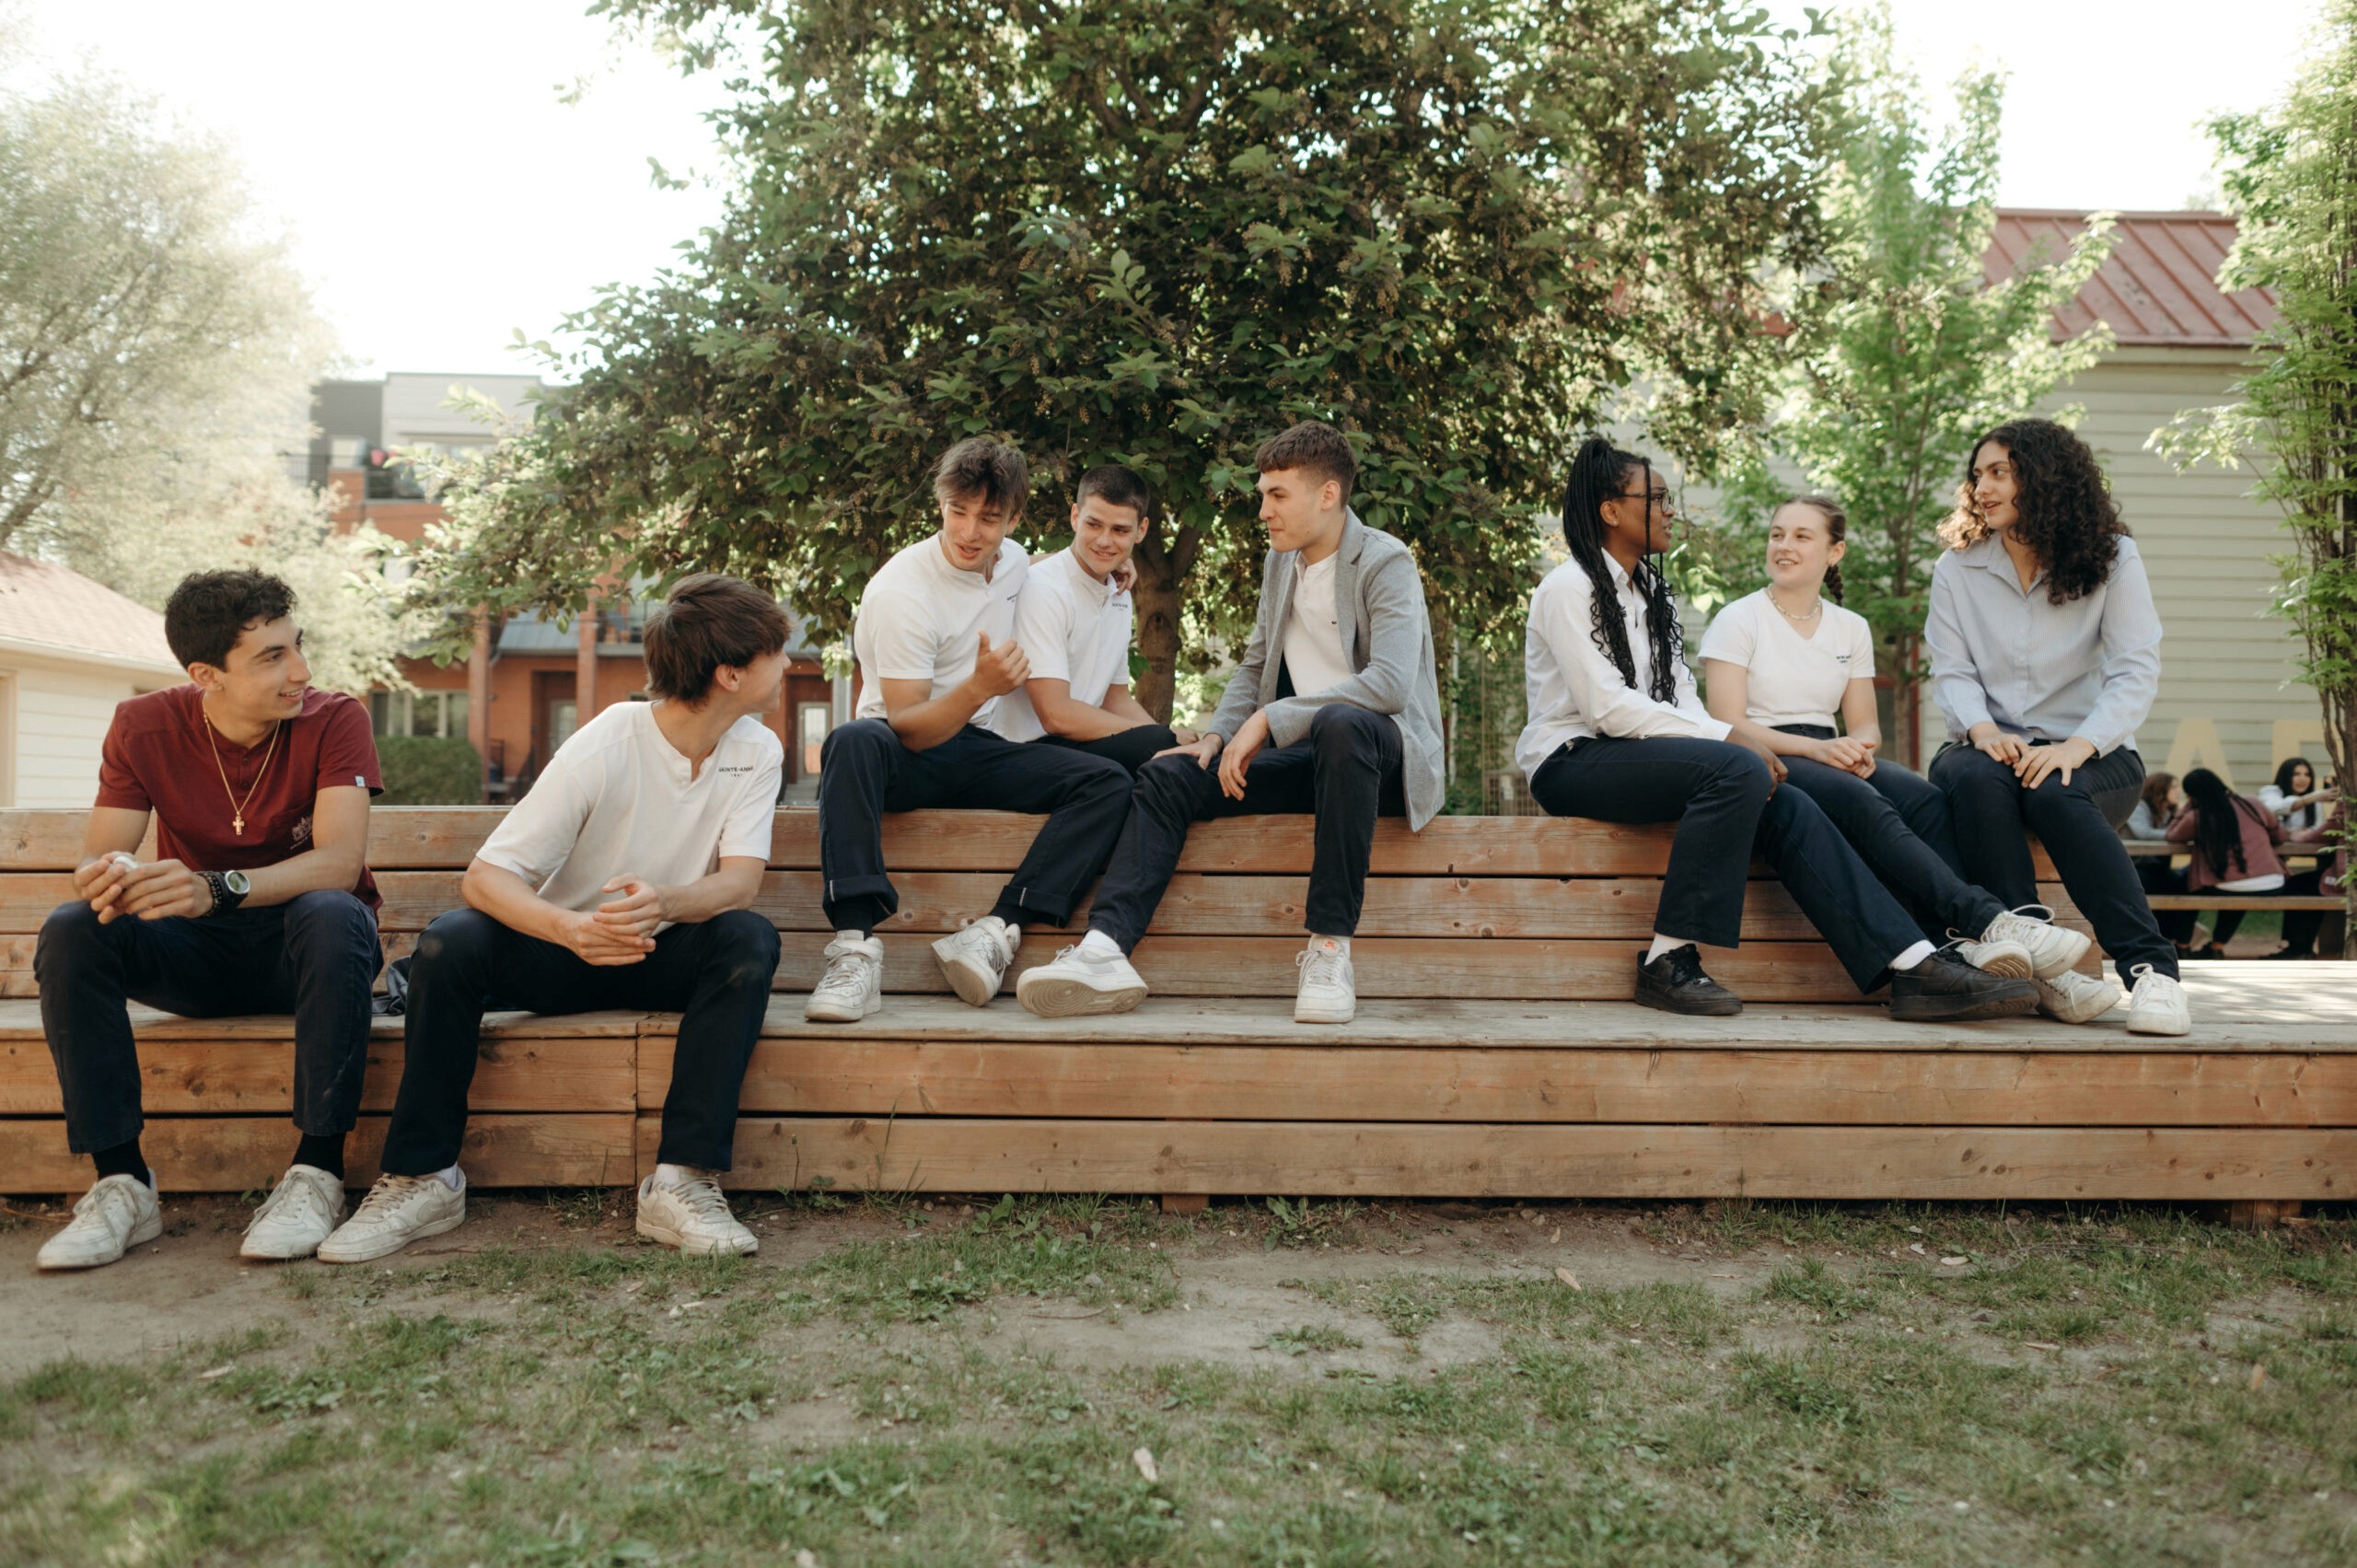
(20, 1020)
(1373, 1160)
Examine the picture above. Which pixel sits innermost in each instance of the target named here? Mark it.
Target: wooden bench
(2332, 933)
(1493, 1055)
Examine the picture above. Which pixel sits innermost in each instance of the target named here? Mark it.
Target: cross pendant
(237, 824)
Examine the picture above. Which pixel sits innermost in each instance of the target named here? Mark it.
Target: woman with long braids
(1780, 664)
(2233, 839)
(1617, 734)
(2045, 654)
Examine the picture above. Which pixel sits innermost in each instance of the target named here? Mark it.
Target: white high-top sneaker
(852, 985)
(2157, 1005)
(398, 1211)
(2052, 948)
(1330, 992)
(301, 1212)
(975, 958)
(1079, 984)
(117, 1214)
(693, 1216)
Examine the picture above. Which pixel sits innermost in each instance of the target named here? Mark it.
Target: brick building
(529, 682)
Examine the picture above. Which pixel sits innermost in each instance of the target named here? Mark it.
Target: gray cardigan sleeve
(1242, 697)
(1394, 595)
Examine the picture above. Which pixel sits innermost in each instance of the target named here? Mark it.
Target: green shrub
(425, 770)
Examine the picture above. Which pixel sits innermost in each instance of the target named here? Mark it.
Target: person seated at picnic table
(2297, 800)
(2156, 807)
(1333, 712)
(624, 878)
(2045, 654)
(1073, 622)
(259, 900)
(1779, 665)
(1617, 734)
(938, 656)
(2234, 841)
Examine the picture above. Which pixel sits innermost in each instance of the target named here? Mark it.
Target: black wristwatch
(229, 890)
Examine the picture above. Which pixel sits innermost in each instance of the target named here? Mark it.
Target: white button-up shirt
(2002, 654)
(1574, 688)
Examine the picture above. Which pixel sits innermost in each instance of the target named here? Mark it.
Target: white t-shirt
(617, 798)
(1795, 679)
(1073, 629)
(1574, 692)
(921, 619)
(1313, 648)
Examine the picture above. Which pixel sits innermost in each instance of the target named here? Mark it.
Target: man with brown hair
(937, 648)
(1334, 711)
(625, 879)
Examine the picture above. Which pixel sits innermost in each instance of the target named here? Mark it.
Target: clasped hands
(116, 885)
(622, 930)
(2031, 764)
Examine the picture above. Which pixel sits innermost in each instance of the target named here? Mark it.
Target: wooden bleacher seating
(1494, 1054)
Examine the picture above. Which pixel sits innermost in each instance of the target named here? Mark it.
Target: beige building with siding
(2229, 700)
(70, 650)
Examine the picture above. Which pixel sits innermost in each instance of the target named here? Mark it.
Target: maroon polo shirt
(159, 757)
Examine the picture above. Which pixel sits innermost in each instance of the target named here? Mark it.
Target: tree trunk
(1156, 601)
(1906, 704)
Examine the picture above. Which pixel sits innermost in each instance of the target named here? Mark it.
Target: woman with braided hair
(2046, 655)
(1617, 734)
(1787, 663)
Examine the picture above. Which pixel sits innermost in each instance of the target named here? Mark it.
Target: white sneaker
(2075, 998)
(1330, 992)
(2157, 1005)
(692, 1216)
(852, 985)
(301, 1212)
(398, 1211)
(1079, 984)
(116, 1214)
(2052, 948)
(2009, 960)
(975, 958)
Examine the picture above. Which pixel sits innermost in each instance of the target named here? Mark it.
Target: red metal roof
(44, 604)
(2158, 288)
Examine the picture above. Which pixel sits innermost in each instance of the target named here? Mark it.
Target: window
(811, 723)
(418, 713)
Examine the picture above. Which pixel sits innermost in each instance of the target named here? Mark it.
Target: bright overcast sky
(441, 195)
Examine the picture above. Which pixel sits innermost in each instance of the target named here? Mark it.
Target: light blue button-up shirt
(2004, 655)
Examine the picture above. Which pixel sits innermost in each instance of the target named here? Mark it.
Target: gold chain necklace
(237, 806)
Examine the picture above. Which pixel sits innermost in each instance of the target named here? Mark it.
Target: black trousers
(314, 955)
(864, 771)
(2154, 875)
(2079, 824)
(1717, 794)
(1897, 821)
(716, 971)
(1131, 747)
(2300, 926)
(1346, 774)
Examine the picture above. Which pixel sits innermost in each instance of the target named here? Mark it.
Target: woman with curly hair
(2046, 654)
(1617, 734)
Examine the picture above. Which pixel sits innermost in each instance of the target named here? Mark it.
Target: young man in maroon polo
(259, 900)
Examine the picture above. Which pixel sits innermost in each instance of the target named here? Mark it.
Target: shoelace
(101, 1199)
(291, 1190)
(702, 1196)
(390, 1192)
(2163, 982)
(1319, 967)
(988, 936)
(844, 976)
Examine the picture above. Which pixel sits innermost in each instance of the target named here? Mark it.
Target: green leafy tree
(1155, 232)
(1905, 351)
(2290, 175)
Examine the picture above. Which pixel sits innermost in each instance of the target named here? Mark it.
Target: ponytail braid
(1599, 471)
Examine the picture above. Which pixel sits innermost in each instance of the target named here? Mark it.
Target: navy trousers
(1897, 821)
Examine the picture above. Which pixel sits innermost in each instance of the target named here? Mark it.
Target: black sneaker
(1675, 983)
(1944, 989)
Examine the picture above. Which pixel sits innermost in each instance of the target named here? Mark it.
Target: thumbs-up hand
(998, 671)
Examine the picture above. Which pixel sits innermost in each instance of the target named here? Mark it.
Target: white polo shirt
(1073, 629)
(1793, 678)
(1313, 652)
(617, 798)
(921, 619)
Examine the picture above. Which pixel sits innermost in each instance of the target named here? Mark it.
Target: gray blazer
(1379, 599)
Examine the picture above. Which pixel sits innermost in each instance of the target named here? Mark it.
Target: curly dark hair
(2062, 506)
(1599, 471)
(210, 610)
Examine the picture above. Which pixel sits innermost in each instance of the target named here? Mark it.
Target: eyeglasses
(1659, 498)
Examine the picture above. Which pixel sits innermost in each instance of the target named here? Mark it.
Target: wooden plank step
(241, 1154)
(2324, 902)
(1346, 1082)
(256, 1077)
(20, 1019)
(1406, 1159)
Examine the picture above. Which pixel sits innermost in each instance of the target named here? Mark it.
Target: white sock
(449, 1177)
(673, 1175)
(1912, 957)
(1342, 941)
(1665, 945)
(1096, 945)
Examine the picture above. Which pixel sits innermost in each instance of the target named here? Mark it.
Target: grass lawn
(1309, 1385)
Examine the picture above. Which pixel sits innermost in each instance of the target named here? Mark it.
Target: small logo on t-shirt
(739, 768)
(302, 830)
(1841, 659)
